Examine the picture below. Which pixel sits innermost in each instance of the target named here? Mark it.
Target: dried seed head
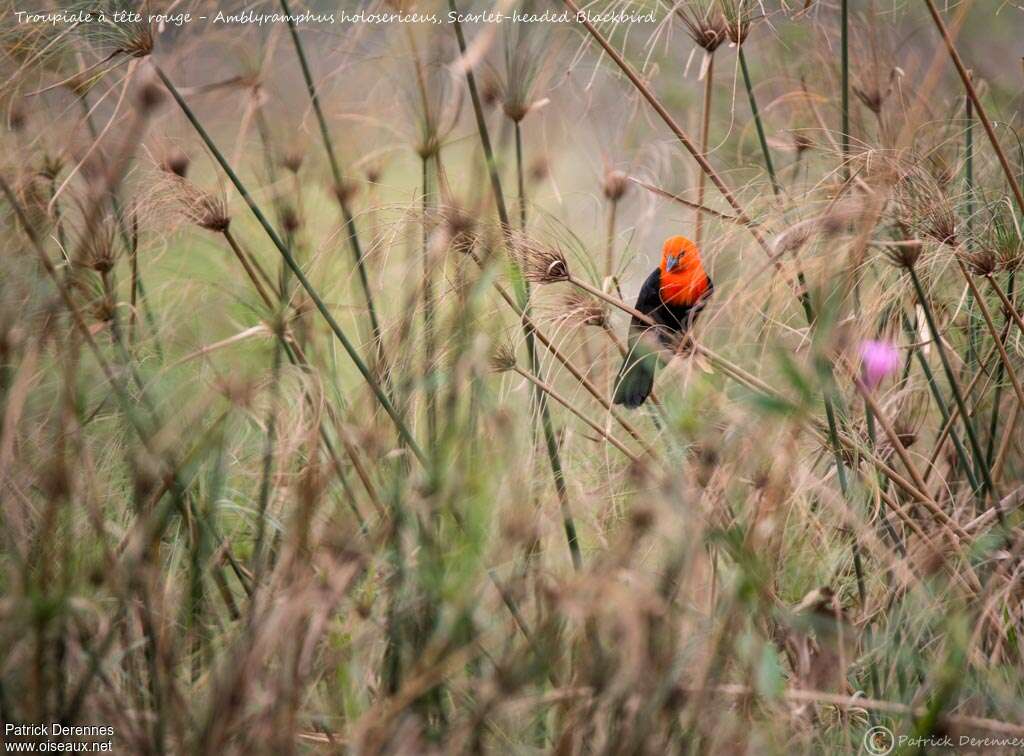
(372, 171)
(515, 110)
(138, 40)
(1001, 237)
(923, 207)
(616, 184)
(904, 254)
(579, 308)
(490, 91)
(503, 359)
(872, 91)
(16, 119)
(707, 28)
(51, 167)
(203, 208)
(460, 229)
(345, 191)
(540, 169)
(97, 248)
(177, 163)
(981, 262)
(738, 16)
(292, 159)
(290, 220)
(541, 264)
(801, 142)
(150, 97)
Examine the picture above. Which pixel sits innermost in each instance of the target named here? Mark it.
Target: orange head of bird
(683, 280)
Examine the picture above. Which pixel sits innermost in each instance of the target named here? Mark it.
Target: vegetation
(308, 337)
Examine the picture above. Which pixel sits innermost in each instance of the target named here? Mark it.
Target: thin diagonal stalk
(954, 415)
(1007, 303)
(248, 267)
(940, 402)
(350, 226)
(687, 203)
(550, 391)
(350, 349)
(987, 316)
(965, 76)
(756, 384)
(138, 291)
(993, 427)
(551, 442)
(531, 326)
(955, 388)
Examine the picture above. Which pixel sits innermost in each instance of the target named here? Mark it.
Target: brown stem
(901, 451)
(992, 330)
(550, 391)
(531, 326)
(674, 127)
(692, 205)
(1006, 302)
(244, 260)
(979, 109)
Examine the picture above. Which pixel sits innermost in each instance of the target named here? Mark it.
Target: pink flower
(878, 360)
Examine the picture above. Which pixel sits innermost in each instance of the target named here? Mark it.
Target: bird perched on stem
(672, 296)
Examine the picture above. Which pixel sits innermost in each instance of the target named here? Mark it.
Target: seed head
(292, 159)
(150, 97)
(98, 250)
(738, 16)
(205, 209)
(904, 254)
(579, 308)
(541, 264)
(616, 184)
(290, 220)
(51, 167)
(177, 163)
(345, 191)
(981, 262)
(707, 27)
(503, 359)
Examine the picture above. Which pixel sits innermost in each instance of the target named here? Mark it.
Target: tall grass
(255, 513)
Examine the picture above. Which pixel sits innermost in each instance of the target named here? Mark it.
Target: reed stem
(339, 185)
(336, 329)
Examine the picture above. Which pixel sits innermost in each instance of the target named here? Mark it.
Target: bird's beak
(671, 262)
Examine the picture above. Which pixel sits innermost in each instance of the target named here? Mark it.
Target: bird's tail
(636, 376)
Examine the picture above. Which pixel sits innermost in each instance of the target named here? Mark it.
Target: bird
(672, 296)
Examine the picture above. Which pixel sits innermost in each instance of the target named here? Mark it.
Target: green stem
(757, 122)
(551, 441)
(350, 226)
(993, 426)
(957, 394)
(520, 178)
(349, 348)
(940, 402)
